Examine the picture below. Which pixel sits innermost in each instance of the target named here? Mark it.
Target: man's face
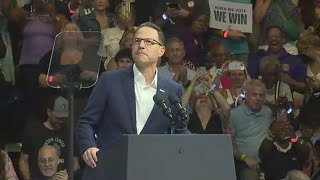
(48, 162)
(220, 55)
(274, 40)
(146, 48)
(175, 52)
(124, 63)
(270, 74)
(56, 122)
(101, 5)
(255, 98)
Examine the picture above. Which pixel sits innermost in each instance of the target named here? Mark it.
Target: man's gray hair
(296, 175)
(253, 83)
(48, 147)
(162, 38)
(269, 61)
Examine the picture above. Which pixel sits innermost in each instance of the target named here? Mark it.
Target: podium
(166, 157)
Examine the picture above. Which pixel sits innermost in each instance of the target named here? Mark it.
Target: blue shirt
(294, 65)
(248, 128)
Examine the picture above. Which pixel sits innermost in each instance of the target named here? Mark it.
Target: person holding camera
(238, 76)
(281, 151)
(308, 47)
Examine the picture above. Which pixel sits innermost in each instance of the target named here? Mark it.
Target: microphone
(164, 108)
(175, 101)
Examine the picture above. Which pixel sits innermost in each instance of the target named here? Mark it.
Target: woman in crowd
(127, 39)
(7, 171)
(278, 153)
(38, 26)
(309, 46)
(71, 60)
(125, 43)
(269, 69)
(112, 36)
(99, 18)
(193, 36)
(284, 14)
(237, 74)
(210, 110)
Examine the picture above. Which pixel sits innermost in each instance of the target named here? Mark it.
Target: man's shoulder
(236, 110)
(287, 56)
(259, 54)
(169, 81)
(116, 74)
(162, 68)
(266, 109)
(34, 124)
(242, 109)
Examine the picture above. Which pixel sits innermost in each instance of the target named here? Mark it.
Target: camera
(236, 66)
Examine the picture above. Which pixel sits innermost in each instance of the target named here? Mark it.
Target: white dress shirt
(144, 97)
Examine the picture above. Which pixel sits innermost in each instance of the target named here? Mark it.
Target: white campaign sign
(230, 15)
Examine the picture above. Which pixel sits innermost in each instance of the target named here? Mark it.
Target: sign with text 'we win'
(230, 15)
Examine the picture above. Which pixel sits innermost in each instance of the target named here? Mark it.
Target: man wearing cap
(51, 132)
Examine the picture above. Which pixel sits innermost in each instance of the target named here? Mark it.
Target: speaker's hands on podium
(90, 157)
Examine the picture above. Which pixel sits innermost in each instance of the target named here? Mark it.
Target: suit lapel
(130, 94)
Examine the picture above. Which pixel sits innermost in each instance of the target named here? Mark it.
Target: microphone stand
(171, 119)
(70, 88)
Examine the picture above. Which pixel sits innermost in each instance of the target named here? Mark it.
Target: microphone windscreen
(157, 99)
(173, 98)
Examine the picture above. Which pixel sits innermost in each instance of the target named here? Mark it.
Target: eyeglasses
(147, 41)
(44, 160)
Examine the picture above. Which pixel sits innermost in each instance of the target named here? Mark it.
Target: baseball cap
(61, 107)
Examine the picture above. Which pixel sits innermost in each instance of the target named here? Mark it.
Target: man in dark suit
(122, 101)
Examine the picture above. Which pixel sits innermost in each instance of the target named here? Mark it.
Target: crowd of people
(262, 88)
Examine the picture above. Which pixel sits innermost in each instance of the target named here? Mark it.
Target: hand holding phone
(282, 116)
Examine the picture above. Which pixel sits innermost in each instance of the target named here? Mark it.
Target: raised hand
(236, 34)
